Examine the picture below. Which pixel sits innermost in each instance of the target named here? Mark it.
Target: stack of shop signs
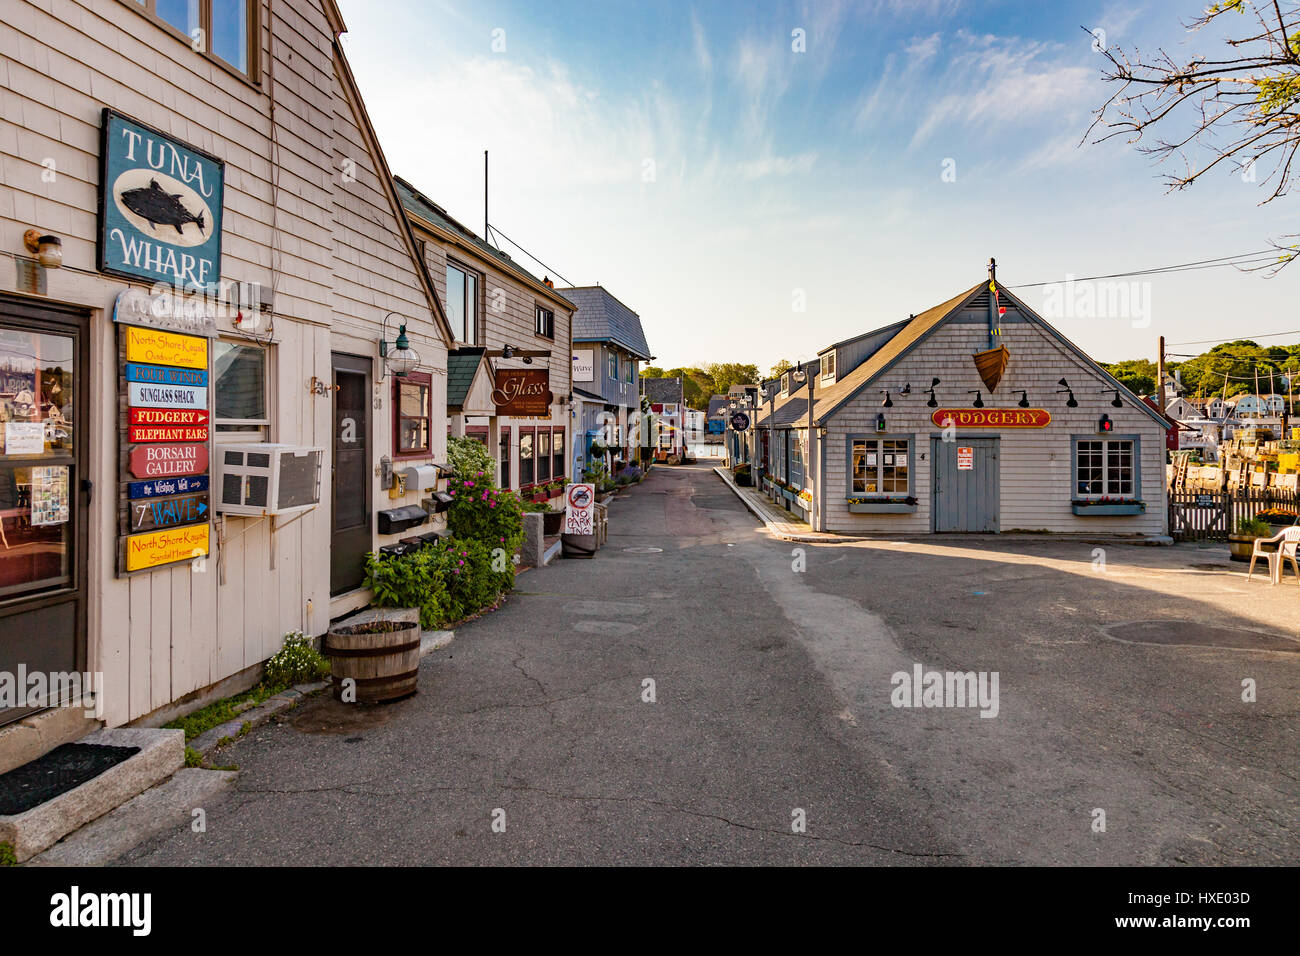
(166, 447)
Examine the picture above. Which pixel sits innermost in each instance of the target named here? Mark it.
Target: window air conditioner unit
(267, 479)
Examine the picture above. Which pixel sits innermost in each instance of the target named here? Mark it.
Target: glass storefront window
(36, 460)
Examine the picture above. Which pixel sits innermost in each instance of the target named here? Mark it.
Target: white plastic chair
(1288, 542)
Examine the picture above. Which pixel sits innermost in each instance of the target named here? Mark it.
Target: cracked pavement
(772, 694)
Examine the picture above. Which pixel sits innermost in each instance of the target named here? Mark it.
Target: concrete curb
(208, 741)
(162, 753)
(812, 537)
(164, 807)
(825, 537)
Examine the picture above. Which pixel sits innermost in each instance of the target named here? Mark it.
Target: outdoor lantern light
(1065, 387)
(979, 399)
(933, 402)
(880, 422)
(401, 359)
(1114, 401)
(888, 402)
(1024, 399)
(47, 249)
(508, 352)
(906, 389)
(1105, 424)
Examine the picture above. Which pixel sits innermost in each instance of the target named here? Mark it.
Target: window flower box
(1101, 507)
(881, 505)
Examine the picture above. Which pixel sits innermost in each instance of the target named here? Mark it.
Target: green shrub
(1254, 526)
(7, 855)
(447, 581)
(415, 579)
(482, 512)
(468, 456)
(297, 662)
(476, 577)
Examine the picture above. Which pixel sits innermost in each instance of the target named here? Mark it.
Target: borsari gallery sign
(160, 203)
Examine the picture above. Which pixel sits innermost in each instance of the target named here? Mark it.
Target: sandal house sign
(160, 203)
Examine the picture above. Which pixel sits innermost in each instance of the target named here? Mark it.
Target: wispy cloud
(998, 82)
(766, 166)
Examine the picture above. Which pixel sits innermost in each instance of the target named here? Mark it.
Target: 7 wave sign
(165, 448)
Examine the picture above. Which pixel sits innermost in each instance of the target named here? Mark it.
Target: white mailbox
(421, 477)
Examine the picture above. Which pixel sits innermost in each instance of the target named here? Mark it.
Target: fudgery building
(972, 416)
(208, 290)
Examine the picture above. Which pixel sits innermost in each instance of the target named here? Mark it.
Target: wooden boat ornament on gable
(991, 363)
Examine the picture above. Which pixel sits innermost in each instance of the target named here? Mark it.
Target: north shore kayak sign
(160, 205)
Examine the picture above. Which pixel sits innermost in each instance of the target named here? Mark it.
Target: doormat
(64, 768)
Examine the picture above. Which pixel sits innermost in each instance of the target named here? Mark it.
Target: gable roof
(920, 328)
(602, 318)
(662, 390)
(462, 366)
(718, 404)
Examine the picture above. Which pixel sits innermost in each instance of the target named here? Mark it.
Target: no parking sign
(579, 508)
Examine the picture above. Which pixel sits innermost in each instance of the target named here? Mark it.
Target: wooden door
(45, 494)
(351, 508)
(966, 485)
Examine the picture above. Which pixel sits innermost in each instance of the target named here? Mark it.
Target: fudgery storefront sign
(160, 203)
(992, 417)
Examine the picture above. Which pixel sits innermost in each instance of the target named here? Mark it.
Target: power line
(492, 229)
(1262, 335)
(1245, 258)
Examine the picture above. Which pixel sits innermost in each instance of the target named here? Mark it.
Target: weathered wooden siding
(1035, 463)
(330, 250)
(507, 305)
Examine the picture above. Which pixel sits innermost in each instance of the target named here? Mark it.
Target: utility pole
(1160, 375)
(486, 238)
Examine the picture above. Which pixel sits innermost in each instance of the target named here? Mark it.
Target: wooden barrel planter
(552, 522)
(383, 657)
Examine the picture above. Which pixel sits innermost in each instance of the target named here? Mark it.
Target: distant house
(608, 346)
(716, 422)
(666, 399)
(1181, 409)
(926, 425)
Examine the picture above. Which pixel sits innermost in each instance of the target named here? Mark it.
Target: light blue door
(966, 493)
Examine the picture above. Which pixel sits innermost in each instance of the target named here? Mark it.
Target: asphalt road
(772, 705)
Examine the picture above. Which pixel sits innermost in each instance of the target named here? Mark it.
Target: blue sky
(716, 180)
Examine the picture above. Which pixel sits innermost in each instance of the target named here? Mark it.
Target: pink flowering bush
(482, 512)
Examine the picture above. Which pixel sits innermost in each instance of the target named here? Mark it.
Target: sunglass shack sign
(160, 204)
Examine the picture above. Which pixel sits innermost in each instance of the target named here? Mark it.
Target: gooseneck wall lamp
(1116, 400)
(400, 359)
(979, 398)
(933, 402)
(1065, 388)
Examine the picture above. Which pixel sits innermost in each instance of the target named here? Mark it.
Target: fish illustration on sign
(160, 208)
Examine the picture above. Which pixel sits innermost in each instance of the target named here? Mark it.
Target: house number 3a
(348, 434)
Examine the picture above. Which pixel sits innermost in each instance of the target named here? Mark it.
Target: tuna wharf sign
(160, 206)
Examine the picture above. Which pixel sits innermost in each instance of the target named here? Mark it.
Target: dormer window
(828, 365)
(785, 383)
